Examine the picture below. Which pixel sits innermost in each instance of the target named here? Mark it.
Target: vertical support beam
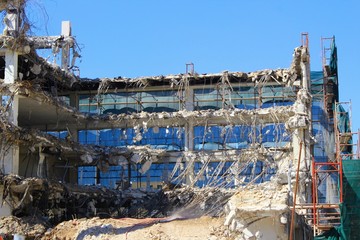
(190, 68)
(292, 226)
(74, 100)
(73, 134)
(11, 19)
(305, 68)
(314, 195)
(298, 138)
(65, 55)
(11, 161)
(189, 126)
(301, 138)
(306, 84)
(11, 67)
(189, 146)
(189, 99)
(15, 147)
(189, 136)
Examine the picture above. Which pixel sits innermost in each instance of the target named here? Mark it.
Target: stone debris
(55, 202)
(27, 226)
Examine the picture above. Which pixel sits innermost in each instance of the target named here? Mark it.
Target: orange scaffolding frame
(326, 215)
(342, 139)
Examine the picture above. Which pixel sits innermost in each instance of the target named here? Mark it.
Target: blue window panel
(164, 107)
(321, 158)
(242, 92)
(249, 106)
(119, 109)
(317, 110)
(126, 137)
(88, 103)
(55, 134)
(319, 151)
(160, 101)
(171, 139)
(61, 134)
(275, 135)
(110, 137)
(88, 136)
(88, 109)
(129, 102)
(87, 175)
(158, 172)
(207, 98)
(111, 177)
(276, 103)
(207, 105)
(86, 99)
(122, 102)
(221, 137)
(250, 173)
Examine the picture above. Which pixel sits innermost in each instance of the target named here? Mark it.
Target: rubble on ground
(121, 229)
(31, 226)
(54, 202)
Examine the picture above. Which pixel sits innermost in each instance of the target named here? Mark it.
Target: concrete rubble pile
(54, 202)
(30, 226)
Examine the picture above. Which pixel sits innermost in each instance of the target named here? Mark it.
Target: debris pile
(28, 226)
(122, 229)
(257, 210)
(54, 202)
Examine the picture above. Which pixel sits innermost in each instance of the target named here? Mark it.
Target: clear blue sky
(143, 38)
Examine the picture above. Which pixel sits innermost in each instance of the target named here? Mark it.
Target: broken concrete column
(11, 153)
(42, 166)
(189, 162)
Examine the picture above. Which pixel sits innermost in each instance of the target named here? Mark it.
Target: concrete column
(73, 132)
(189, 136)
(65, 54)
(15, 147)
(11, 160)
(299, 136)
(303, 134)
(189, 147)
(305, 68)
(189, 126)
(11, 67)
(12, 19)
(306, 84)
(190, 176)
(189, 99)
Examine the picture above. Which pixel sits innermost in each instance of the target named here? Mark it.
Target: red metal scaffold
(325, 213)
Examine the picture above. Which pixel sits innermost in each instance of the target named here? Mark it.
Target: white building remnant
(247, 132)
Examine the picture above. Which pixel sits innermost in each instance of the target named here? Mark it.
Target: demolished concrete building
(258, 134)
